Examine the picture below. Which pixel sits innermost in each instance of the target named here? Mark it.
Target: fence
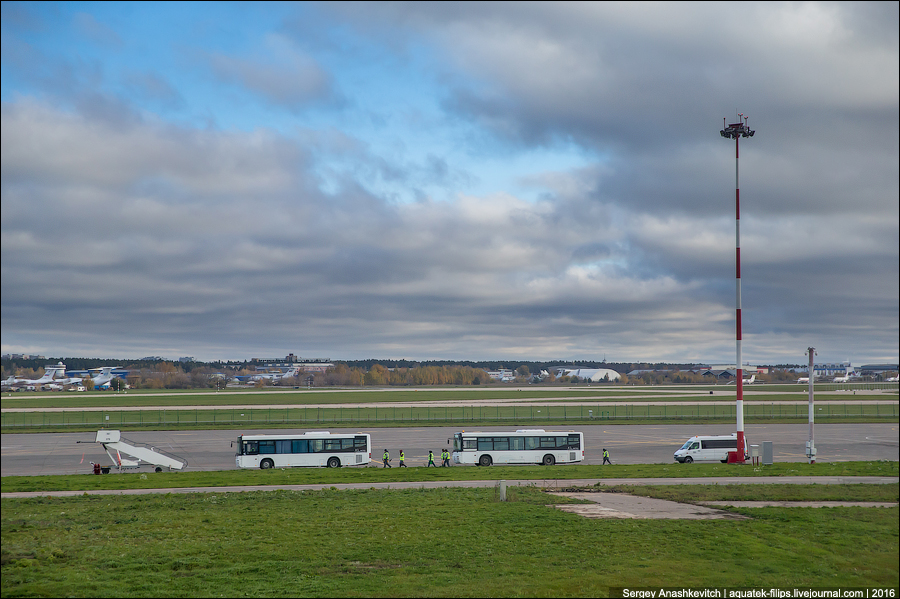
(302, 416)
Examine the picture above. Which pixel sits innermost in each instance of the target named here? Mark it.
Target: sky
(450, 181)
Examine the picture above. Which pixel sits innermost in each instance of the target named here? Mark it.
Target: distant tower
(736, 131)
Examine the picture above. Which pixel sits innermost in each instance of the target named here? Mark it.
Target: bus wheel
(334, 463)
(688, 460)
(266, 464)
(484, 460)
(549, 460)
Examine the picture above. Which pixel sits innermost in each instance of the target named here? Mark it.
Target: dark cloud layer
(126, 233)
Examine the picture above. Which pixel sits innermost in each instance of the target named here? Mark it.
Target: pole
(737, 311)
(811, 445)
(736, 131)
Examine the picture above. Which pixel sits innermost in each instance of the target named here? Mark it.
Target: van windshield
(686, 445)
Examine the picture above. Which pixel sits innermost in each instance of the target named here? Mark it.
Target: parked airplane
(844, 379)
(803, 379)
(276, 376)
(749, 381)
(49, 372)
(70, 380)
(101, 380)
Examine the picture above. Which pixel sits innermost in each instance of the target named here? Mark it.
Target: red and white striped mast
(736, 131)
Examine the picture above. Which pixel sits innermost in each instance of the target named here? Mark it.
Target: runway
(60, 453)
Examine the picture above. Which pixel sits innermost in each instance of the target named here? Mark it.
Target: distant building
(503, 375)
(594, 375)
(829, 369)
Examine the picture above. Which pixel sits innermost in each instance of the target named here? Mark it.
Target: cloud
(283, 75)
(316, 236)
(102, 34)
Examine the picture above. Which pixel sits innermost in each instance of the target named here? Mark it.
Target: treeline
(378, 374)
(161, 374)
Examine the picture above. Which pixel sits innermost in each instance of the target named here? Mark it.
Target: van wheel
(688, 460)
(549, 460)
(267, 464)
(334, 463)
(484, 460)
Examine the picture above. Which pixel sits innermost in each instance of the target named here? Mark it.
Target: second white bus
(525, 446)
(314, 448)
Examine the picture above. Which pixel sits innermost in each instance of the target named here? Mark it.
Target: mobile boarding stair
(115, 446)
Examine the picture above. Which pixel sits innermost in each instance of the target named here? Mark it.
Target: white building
(595, 375)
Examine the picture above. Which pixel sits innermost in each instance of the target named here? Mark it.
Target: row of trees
(198, 375)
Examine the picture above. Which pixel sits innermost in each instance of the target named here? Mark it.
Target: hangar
(595, 375)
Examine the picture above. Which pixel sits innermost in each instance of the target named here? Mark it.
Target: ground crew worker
(445, 458)
(387, 458)
(606, 458)
(402, 457)
(431, 458)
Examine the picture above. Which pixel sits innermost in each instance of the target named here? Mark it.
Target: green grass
(310, 476)
(405, 415)
(207, 397)
(697, 493)
(441, 542)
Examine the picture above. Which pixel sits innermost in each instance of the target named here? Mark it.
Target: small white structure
(595, 375)
(112, 441)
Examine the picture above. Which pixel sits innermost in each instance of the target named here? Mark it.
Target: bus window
(574, 441)
(251, 447)
(299, 446)
(316, 445)
(501, 443)
(470, 443)
(266, 447)
(485, 443)
(532, 443)
(283, 447)
(517, 443)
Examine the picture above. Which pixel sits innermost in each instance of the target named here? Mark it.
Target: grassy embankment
(542, 475)
(305, 408)
(441, 542)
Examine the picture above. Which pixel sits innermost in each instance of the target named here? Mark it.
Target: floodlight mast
(736, 131)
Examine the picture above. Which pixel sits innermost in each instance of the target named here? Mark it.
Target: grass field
(442, 542)
(192, 409)
(693, 393)
(552, 475)
(755, 411)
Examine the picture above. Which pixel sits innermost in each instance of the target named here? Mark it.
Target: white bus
(314, 448)
(527, 446)
(710, 448)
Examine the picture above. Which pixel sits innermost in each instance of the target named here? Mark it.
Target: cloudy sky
(449, 181)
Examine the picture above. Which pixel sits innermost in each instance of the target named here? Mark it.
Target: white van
(709, 449)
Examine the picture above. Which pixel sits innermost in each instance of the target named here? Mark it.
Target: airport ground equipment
(115, 446)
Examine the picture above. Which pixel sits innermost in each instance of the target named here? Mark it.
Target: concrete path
(621, 506)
